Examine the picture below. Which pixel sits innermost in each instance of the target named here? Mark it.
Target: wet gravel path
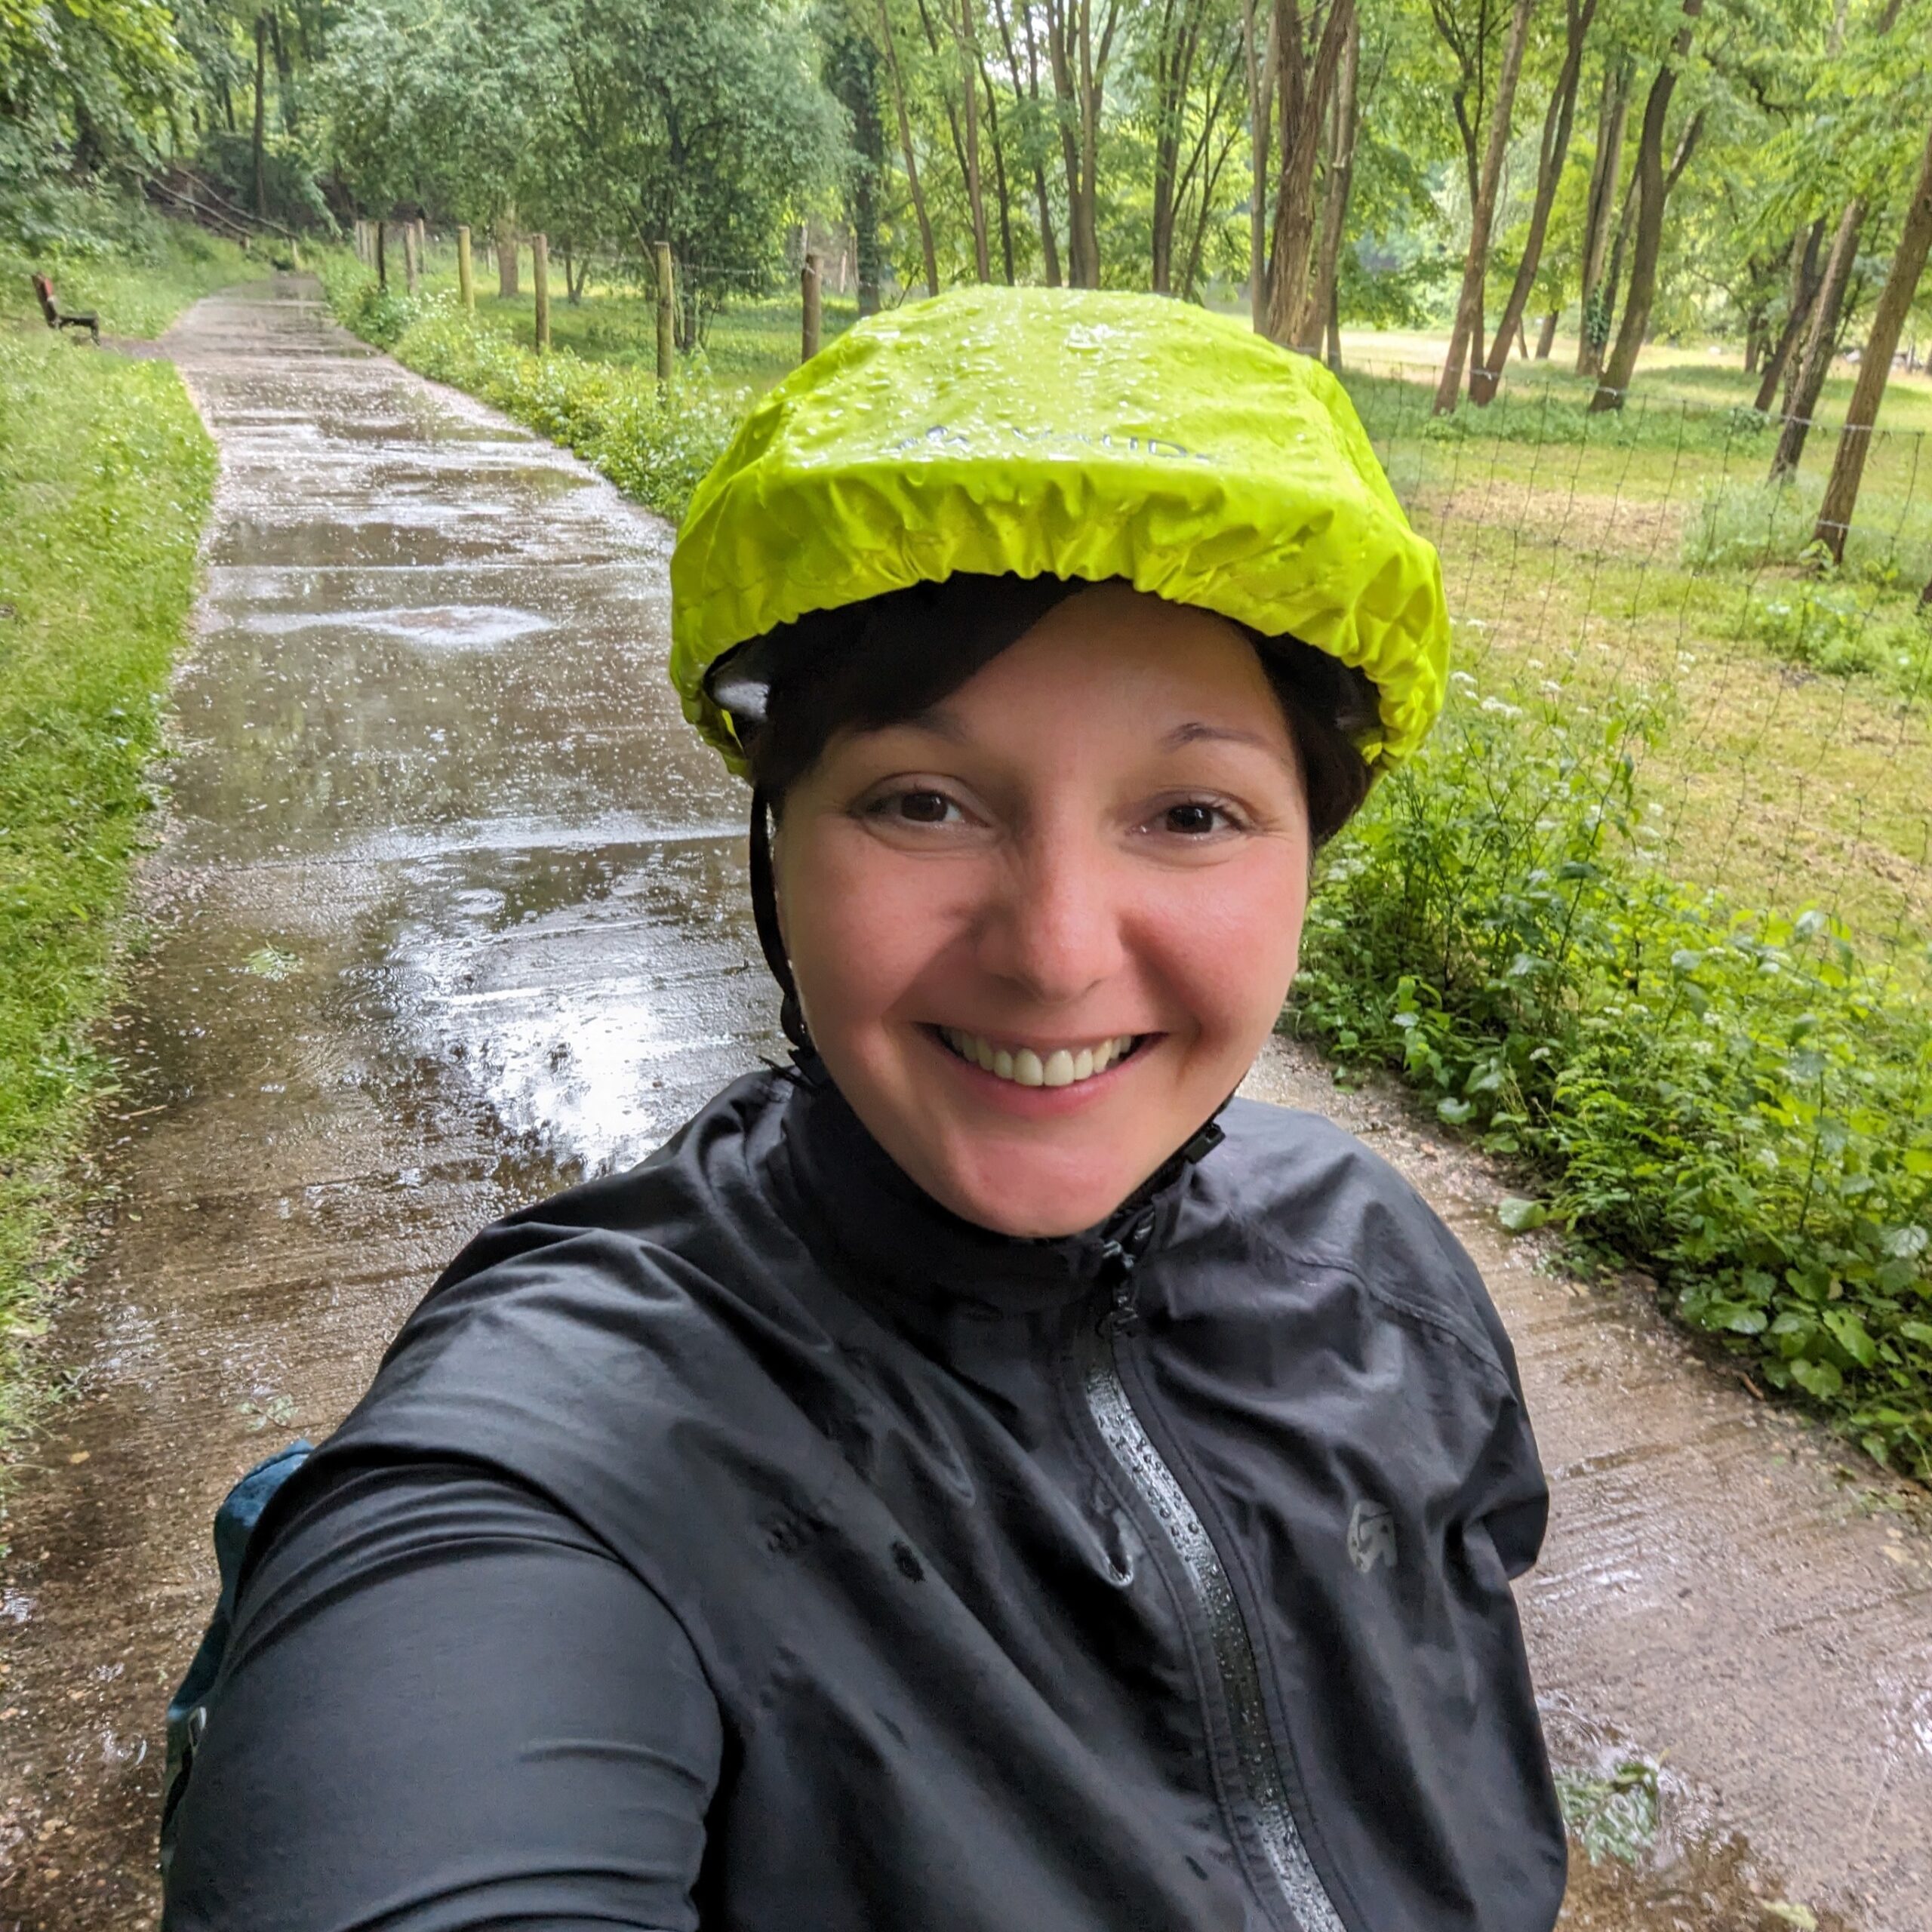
(450, 912)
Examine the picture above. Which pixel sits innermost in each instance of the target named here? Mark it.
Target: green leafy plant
(1614, 1813)
(1729, 1096)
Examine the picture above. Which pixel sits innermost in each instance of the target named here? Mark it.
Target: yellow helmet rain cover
(1075, 434)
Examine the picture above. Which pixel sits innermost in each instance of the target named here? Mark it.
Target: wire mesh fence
(1645, 558)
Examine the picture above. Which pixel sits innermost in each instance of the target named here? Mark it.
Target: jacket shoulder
(1319, 1198)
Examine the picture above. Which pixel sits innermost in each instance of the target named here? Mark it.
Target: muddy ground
(450, 912)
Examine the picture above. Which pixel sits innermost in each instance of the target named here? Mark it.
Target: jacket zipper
(1131, 1446)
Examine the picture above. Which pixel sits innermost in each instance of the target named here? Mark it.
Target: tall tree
(1467, 330)
(1078, 56)
(908, 155)
(1551, 152)
(1821, 337)
(852, 74)
(1606, 170)
(1308, 52)
(1652, 187)
(1874, 366)
(1338, 169)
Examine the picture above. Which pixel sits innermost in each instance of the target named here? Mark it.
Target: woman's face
(1041, 932)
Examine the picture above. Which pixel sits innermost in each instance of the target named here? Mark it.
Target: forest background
(1619, 287)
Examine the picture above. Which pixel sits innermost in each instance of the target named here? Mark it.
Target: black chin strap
(765, 912)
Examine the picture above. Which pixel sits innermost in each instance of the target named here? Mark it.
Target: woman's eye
(1194, 819)
(916, 807)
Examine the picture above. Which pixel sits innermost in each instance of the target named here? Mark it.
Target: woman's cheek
(856, 928)
(1232, 942)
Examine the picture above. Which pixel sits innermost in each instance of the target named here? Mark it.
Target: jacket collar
(847, 1191)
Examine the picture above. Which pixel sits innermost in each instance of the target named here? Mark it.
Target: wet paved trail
(450, 911)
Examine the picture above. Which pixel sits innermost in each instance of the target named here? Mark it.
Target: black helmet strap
(765, 912)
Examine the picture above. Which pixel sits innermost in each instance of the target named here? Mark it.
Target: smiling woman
(1095, 849)
(980, 1476)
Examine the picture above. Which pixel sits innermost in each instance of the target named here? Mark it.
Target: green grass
(137, 283)
(105, 476)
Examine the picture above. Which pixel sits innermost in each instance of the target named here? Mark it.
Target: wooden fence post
(808, 288)
(666, 334)
(466, 285)
(539, 278)
(409, 257)
(422, 244)
(381, 255)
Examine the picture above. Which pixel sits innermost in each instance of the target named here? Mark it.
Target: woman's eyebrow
(940, 722)
(1195, 732)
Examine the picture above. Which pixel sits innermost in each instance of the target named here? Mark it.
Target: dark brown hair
(890, 658)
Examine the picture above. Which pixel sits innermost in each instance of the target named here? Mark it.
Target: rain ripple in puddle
(433, 626)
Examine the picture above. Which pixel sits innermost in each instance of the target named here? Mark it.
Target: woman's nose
(1053, 927)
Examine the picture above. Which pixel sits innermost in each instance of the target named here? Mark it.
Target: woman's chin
(1031, 1200)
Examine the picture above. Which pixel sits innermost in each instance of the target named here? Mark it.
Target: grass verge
(105, 474)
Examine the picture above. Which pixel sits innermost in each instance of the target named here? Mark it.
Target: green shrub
(1732, 1098)
(1831, 626)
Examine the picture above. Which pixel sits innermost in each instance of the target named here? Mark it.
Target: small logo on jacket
(1372, 1536)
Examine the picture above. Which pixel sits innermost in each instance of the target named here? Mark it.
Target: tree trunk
(1652, 188)
(891, 46)
(1820, 341)
(1557, 121)
(1875, 365)
(1302, 85)
(284, 93)
(1605, 171)
(1049, 246)
(1322, 307)
(1805, 280)
(1753, 332)
(1260, 63)
(506, 248)
(1468, 331)
(1172, 46)
(1546, 336)
(1002, 189)
(1335, 326)
(1078, 64)
(261, 113)
(976, 200)
(851, 73)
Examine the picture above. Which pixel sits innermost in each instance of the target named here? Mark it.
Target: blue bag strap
(187, 1710)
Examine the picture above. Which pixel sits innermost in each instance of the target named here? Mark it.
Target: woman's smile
(1029, 1063)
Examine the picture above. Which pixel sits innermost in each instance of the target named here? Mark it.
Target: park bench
(59, 318)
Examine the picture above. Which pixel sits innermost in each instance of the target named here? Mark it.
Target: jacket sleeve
(445, 1706)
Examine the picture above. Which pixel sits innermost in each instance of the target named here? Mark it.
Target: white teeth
(1061, 1066)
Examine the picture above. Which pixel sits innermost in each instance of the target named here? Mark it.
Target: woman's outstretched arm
(446, 1707)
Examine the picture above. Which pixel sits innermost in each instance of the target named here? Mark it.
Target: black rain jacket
(745, 1543)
